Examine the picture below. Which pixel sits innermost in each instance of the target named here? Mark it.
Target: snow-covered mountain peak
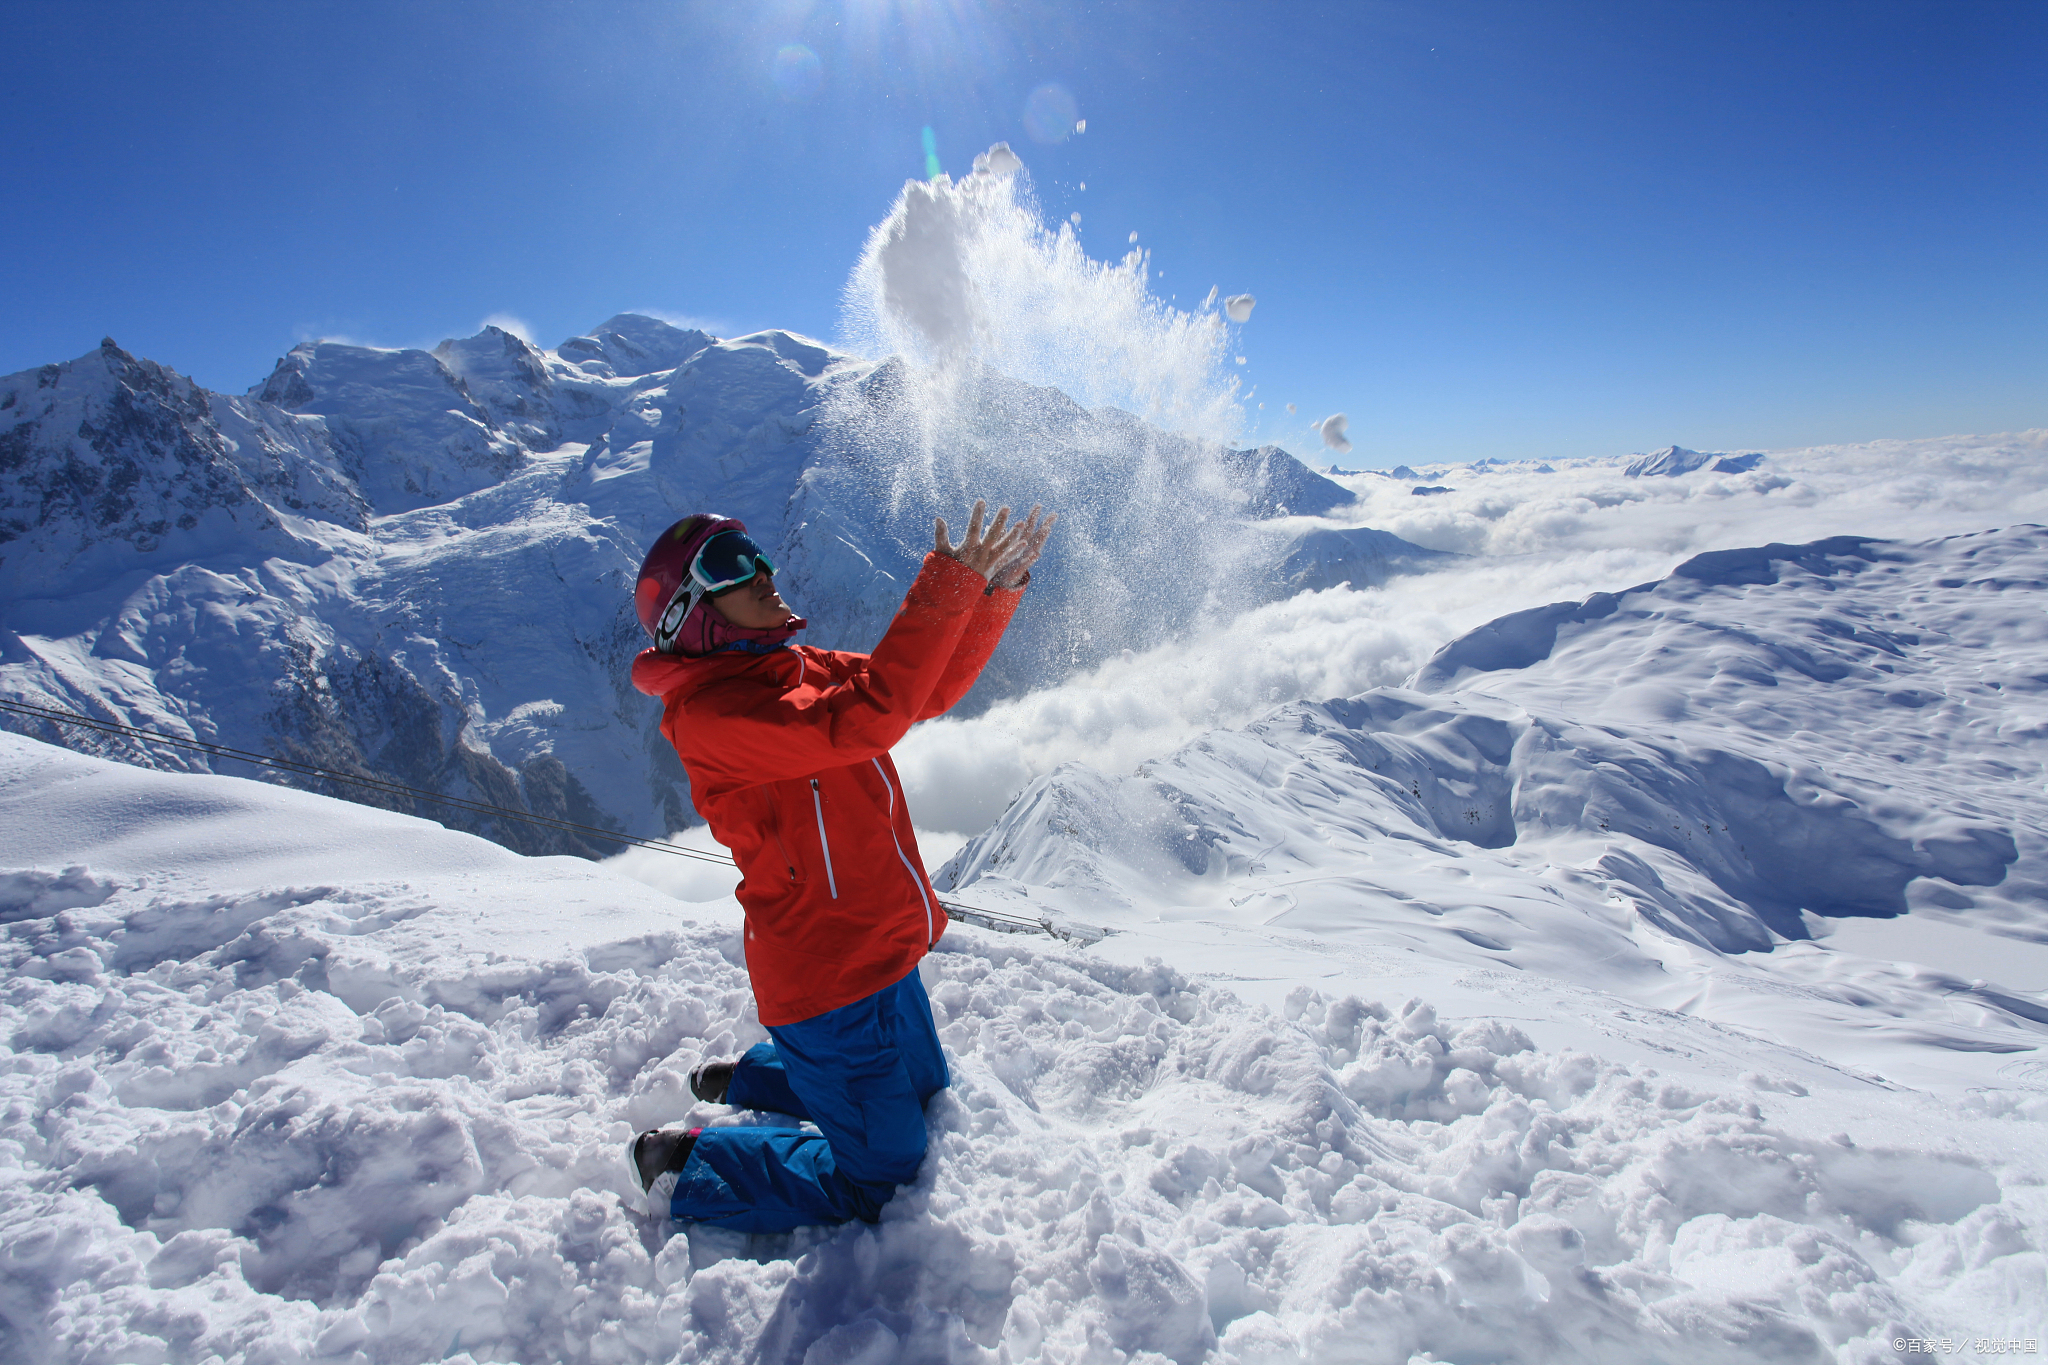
(811, 358)
(1674, 460)
(493, 350)
(628, 345)
(477, 641)
(405, 424)
(508, 377)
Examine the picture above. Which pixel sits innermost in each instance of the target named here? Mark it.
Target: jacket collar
(663, 675)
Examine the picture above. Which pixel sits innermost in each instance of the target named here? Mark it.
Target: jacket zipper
(929, 939)
(831, 883)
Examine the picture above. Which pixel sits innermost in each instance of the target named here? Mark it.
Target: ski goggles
(727, 560)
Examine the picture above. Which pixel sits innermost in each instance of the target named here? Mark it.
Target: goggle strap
(686, 596)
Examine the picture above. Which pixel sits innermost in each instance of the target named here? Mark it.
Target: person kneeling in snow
(787, 748)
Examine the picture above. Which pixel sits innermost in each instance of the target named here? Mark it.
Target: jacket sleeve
(764, 735)
(992, 614)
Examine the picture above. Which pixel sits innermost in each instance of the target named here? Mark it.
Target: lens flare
(797, 72)
(932, 170)
(1050, 114)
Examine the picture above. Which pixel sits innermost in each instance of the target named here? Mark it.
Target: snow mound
(298, 1107)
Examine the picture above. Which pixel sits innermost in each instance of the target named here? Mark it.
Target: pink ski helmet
(664, 581)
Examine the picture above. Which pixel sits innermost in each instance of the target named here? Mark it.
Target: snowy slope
(1675, 793)
(294, 1080)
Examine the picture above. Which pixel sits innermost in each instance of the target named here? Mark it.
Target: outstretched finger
(995, 529)
(1039, 531)
(941, 542)
(1003, 542)
(974, 522)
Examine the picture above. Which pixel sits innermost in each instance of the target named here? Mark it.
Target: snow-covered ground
(1419, 1038)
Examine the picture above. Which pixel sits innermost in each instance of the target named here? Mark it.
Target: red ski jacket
(788, 757)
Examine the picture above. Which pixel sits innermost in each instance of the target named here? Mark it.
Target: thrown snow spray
(1023, 370)
(965, 276)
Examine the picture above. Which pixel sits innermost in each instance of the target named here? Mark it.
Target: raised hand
(979, 552)
(1013, 572)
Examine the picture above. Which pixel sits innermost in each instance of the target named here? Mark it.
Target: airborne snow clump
(1332, 428)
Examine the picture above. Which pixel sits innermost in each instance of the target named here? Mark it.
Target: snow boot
(656, 1157)
(709, 1081)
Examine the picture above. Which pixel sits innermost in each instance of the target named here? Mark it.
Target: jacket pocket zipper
(818, 804)
(931, 941)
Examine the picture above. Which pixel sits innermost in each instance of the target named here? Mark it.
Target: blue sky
(1480, 229)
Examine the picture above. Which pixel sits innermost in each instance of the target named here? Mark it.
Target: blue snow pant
(862, 1074)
